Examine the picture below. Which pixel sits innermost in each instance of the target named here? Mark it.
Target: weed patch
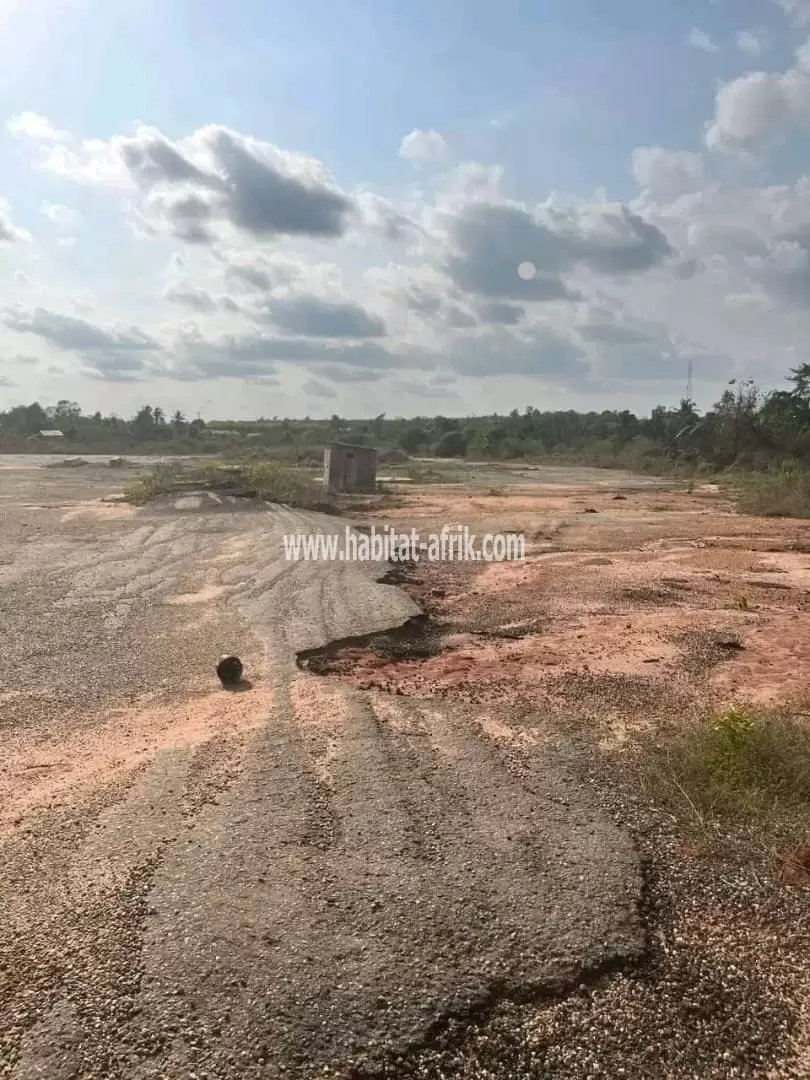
(268, 481)
(774, 494)
(742, 764)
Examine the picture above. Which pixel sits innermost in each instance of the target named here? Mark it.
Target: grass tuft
(740, 763)
(774, 494)
(269, 481)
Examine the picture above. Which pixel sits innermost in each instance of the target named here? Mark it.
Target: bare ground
(299, 879)
(651, 608)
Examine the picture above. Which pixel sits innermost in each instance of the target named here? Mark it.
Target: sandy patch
(505, 733)
(773, 666)
(793, 568)
(100, 511)
(624, 618)
(236, 547)
(206, 595)
(41, 777)
(519, 504)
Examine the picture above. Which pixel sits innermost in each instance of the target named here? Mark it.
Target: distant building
(350, 468)
(51, 433)
(220, 433)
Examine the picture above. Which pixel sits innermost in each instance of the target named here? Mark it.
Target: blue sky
(674, 133)
(586, 81)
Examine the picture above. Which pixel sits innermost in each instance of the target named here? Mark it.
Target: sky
(309, 207)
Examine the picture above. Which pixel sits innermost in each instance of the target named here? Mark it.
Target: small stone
(229, 670)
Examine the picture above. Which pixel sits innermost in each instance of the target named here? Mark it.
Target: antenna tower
(689, 380)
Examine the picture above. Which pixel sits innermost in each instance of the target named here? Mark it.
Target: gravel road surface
(298, 879)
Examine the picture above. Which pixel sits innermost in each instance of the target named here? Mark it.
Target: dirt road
(294, 880)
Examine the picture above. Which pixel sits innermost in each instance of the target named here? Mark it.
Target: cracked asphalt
(300, 879)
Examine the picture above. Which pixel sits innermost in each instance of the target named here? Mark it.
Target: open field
(425, 854)
(639, 611)
(620, 584)
(288, 880)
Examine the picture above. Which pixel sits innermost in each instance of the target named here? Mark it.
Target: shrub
(784, 493)
(451, 444)
(270, 481)
(736, 763)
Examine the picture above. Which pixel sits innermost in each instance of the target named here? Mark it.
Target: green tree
(26, 419)
(800, 377)
(451, 444)
(734, 423)
(413, 438)
(143, 424)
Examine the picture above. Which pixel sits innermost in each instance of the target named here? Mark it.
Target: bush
(785, 493)
(273, 482)
(270, 481)
(451, 444)
(736, 763)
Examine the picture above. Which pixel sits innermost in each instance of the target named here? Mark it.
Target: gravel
(722, 988)
(319, 896)
(719, 993)
(226, 911)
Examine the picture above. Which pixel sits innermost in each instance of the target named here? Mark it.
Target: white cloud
(214, 184)
(379, 217)
(272, 271)
(757, 110)
(65, 217)
(750, 43)
(699, 39)
(664, 175)
(191, 297)
(747, 300)
(423, 147)
(34, 126)
(9, 232)
(798, 11)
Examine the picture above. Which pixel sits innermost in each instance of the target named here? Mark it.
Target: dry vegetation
(677, 641)
(743, 764)
(269, 481)
(785, 493)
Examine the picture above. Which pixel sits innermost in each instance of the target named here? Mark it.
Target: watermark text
(453, 543)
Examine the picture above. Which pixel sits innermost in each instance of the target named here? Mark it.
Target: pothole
(418, 638)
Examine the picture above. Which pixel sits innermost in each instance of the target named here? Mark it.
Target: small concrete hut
(350, 468)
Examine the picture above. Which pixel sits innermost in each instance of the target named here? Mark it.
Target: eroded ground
(407, 848)
(634, 608)
(301, 878)
(617, 590)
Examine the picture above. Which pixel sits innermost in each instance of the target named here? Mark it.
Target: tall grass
(269, 481)
(783, 493)
(741, 764)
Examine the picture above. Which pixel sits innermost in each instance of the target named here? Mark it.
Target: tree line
(746, 427)
(148, 423)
